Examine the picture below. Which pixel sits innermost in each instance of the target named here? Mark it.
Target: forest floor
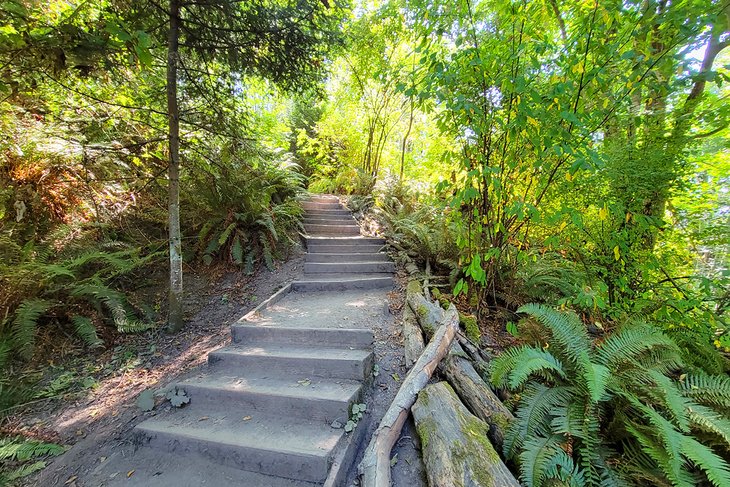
(96, 423)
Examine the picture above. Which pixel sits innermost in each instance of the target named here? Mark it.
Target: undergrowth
(622, 409)
(21, 457)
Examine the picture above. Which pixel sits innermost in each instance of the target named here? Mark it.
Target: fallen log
(456, 451)
(460, 372)
(374, 468)
(412, 337)
(428, 314)
(476, 395)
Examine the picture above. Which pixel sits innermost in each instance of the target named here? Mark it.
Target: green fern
(25, 324)
(514, 367)
(86, 330)
(619, 394)
(710, 390)
(21, 450)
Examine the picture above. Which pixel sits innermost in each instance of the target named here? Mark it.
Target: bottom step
(273, 445)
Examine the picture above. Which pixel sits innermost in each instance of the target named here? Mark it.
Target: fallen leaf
(130, 473)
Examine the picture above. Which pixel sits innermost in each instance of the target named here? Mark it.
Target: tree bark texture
(175, 316)
(456, 451)
(412, 337)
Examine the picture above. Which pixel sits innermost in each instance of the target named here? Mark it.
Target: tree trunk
(405, 142)
(456, 451)
(460, 372)
(375, 465)
(427, 313)
(175, 316)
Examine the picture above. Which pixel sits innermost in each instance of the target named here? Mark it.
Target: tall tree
(284, 41)
(175, 312)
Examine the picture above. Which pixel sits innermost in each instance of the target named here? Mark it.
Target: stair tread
(273, 384)
(293, 351)
(275, 433)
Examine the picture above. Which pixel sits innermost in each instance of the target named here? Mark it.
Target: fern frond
(515, 366)
(716, 469)
(24, 325)
(5, 349)
(21, 450)
(710, 390)
(710, 421)
(538, 454)
(266, 251)
(568, 332)
(87, 331)
(24, 471)
(628, 344)
(668, 437)
(268, 223)
(534, 414)
(237, 250)
(225, 235)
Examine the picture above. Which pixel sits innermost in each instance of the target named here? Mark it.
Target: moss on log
(456, 450)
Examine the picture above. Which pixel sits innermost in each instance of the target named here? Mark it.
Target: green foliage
(19, 457)
(611, 409)
(420, 229)
(251, 214)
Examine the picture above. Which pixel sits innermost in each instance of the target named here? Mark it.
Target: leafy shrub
(249, 214)
(612, 412)
(422, 230)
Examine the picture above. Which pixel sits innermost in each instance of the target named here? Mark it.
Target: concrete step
(342, 282)
(311, 205)
(327, 213)
(305, 361)
(334, 230)
(329, 337)
(349, 267)
(315, 241)
(347, 257)
(344, 249)
(331, 221)
(324, 198)
(303, 397)
(271, 444)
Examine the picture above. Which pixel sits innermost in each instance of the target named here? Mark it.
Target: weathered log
(428, 314)
(412, 337)
(462, 376)
(476, 394)
(374, 468)
(475, 354)
(456, 450)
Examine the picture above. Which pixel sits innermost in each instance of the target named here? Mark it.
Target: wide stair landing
(267, 402)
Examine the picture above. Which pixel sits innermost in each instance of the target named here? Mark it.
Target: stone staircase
(266, 404)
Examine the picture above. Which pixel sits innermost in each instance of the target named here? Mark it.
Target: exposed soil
(97, 424)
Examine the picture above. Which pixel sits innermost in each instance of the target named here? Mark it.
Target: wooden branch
(455, 448)
(375, 466)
